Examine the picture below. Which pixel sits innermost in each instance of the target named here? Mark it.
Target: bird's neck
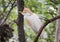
(27, 14)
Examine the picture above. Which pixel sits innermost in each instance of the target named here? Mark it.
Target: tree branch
(20, 24)
(44, 25)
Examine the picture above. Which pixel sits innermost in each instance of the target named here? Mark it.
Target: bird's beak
(21, 12)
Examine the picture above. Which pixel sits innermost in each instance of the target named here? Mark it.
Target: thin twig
(6, 8)
(9, 12)
(2, 14)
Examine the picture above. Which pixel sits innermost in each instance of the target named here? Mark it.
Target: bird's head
(26, 11)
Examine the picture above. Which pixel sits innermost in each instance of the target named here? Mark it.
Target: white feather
(34, 22)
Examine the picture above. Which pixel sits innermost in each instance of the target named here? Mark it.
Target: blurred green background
(45, 9)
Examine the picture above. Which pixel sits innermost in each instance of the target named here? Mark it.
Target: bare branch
(44, 25)
(4, 11)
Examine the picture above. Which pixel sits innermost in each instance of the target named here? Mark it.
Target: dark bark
(20, 24)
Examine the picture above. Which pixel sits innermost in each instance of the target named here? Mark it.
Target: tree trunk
(20, 4)
(57, 35)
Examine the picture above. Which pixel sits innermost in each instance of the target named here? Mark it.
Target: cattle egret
(33, 21)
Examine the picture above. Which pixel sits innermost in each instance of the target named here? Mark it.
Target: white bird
(33, 21)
